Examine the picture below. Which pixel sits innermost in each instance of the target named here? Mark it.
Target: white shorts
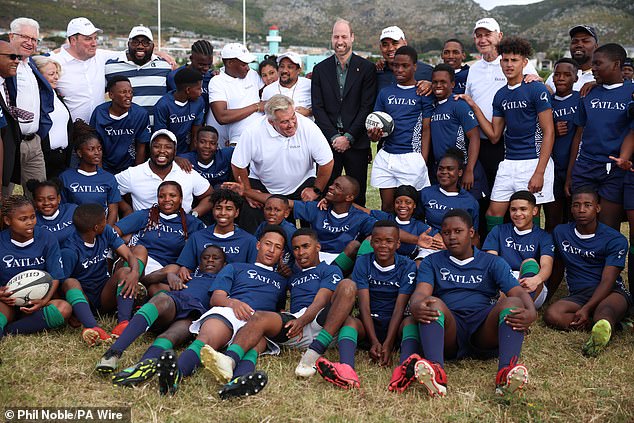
(328, 257)
(309, 332)
(392, 170)
(227, 313)
(514, 175)
(541, 298)
(152, 265)
(424, 252)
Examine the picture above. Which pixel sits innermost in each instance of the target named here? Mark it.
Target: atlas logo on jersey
(253, 274)
(596, 103)
(446, 275)
(12, 261)
(510, 243)
(569, 248)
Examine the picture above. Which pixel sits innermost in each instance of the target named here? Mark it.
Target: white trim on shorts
(227, 313)
(328, 257)
(392, 170)
(152, 265)
(514, 175)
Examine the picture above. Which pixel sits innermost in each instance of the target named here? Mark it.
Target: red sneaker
(511, 378)
(339, 374)
(95, 336)
(433, 376)
(118, 330)
(404, 374)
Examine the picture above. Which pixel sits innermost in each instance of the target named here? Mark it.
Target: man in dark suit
(10, 133)
(343, 94)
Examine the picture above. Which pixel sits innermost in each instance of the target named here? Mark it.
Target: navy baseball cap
(584, 28)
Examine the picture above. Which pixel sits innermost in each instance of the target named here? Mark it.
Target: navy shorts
(582, 296)
(606, 178)
(94, 296)
(468, 323)
(628, 191)
(559, 183)
(186, 305)
(380, 328)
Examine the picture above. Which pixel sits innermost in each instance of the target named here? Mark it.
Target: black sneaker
(249, 384)
(168, 373)
(134, 375)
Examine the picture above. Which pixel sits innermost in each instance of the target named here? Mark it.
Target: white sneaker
(220, 365)
(306, 367)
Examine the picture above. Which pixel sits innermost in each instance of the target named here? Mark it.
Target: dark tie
(18, 114)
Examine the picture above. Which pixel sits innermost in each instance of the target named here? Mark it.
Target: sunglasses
(12, 56)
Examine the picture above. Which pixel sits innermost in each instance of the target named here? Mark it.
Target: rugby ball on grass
(29, 285)
(380, 120)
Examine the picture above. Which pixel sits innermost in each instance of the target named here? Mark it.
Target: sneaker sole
(212, 361)
(305, 372)
(142, 375)
(167, 374)
(91, 338)
(330, 374)
(245, 385)
(599, 339)
(403, 383)
(426, 375)
(105, 369)
(515, 380)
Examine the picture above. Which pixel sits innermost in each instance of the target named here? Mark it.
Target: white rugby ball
(29, 285)
(380, 120)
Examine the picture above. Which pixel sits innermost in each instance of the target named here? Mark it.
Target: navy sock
(138, 325)
(247, 364)
(81, 309)
(410, 343)
(509, 340)
(45, 318)
(157, 348)
(321, 342)
(189, 360)
(432, 337)
(124, 307)
(347, 344)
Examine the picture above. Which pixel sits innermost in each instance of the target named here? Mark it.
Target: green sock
(141, 267)
(196, 346)
(530, 268)
(163, 343)
(3, 322)
(324, 337)
(493, 221)
(344, 262)
(236, 352)
(252, 356)
(52, 316)
(149, 312)
(365, 248)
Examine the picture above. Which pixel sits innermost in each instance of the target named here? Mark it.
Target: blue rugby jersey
(179, 118)
(40, 253)
(61, 223)
(450, 122)
(81, 187)
(435, 202)
(515, 246)
(305, 283)
(239, 246)
(218, 170)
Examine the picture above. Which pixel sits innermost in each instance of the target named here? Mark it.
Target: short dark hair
(82, 132)
(461, 214)
(614, 52)
(222, 252)
(87, 216)
(306, 232)
(113, 80)
(442, 67)
(355, 184)
(273, 228)
(587, 189)
(226, 195)
(207, 128)
(456, 154)
(280, 197)
(269, 60)
(515, 45)
(408, 51)
(33, 185)
(385, 224)
(524, 195)
(454, 40)
(187, 77)
(567, 60)
(203, 47)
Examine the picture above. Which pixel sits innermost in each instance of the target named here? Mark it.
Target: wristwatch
(317, 191)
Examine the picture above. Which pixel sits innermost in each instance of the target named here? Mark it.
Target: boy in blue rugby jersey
(182, 111)
(453, 55)
(172, 311)
(526, 248)
(320, 302)
(212, 163)
(385, 281)
(592, 255)
(458, 312)
(602, 127)
(240, 289)
(522, 116)
(565, 103)
(89, 286)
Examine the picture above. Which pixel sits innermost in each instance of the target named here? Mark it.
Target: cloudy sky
(490, 4)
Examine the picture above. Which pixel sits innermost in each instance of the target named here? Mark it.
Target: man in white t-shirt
(583, 42)
(291, 84)
(234, 95)
(281, 151)
(142, 181)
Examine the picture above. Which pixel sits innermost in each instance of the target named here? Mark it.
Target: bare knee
(346, 288)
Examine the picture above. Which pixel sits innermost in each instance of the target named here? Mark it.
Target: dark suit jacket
(357, 102)
(11, 136)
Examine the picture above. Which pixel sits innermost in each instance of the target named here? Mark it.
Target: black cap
(584, 28)
(628, 62)
(187, 76)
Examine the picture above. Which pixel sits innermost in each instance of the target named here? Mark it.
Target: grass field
(57, 370)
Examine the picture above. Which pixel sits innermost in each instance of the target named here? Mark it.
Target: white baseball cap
(166, 132)
(237, 51)
(292, 56)
(141, 30)
(81, 26)
(487, 23)
(393, 32)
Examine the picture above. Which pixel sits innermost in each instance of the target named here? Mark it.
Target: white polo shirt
(583, 78)
(282, 164)
(237, 93)
(142, 184)
(300, 92)
(83, 82)
(28, 97)
(484, 80)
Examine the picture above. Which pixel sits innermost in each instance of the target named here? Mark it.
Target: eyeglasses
(144, 43)
(12, 56)
(27, 38)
